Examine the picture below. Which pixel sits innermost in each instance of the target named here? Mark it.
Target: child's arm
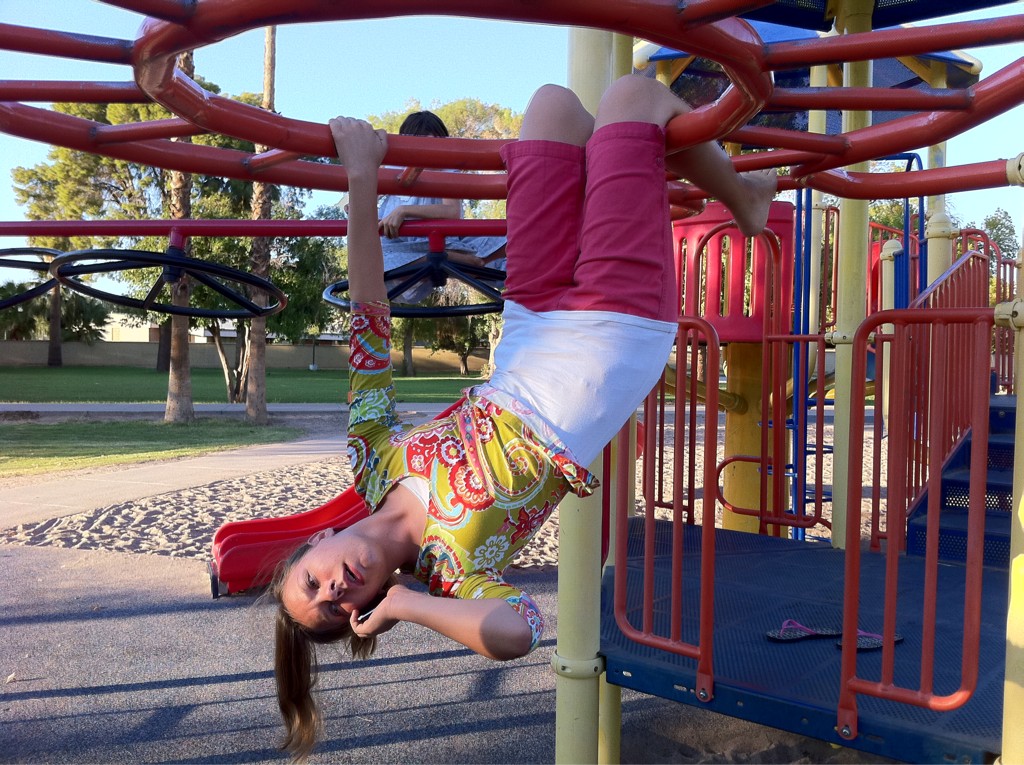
(361, 150)
(447, 208)
(490, 627)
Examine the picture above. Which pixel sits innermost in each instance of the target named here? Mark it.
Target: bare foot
(752, 212)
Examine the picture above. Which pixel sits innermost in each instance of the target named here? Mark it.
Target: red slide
(245, 553)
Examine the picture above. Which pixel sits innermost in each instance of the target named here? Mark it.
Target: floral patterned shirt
(493, 481)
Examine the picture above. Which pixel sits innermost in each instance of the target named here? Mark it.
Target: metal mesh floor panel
(762, 581)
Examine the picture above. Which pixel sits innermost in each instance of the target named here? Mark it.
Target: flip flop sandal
(792, 630)
(870, 641)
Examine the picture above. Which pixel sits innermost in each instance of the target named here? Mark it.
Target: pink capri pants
(589, 229)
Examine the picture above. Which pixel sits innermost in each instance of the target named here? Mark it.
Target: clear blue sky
(368, 67)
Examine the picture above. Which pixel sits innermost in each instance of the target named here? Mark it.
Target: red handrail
(938, 374)
(1004, 270)
(693, 334)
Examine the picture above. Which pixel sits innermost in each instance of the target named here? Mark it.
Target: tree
(1001, 230)
(302, 267)
(890, 212)
(24, 321)
(82, 318)
(81, 186)
(460, 334)
(46, 192)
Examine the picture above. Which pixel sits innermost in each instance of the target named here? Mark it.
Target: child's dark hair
(423, 123)
(295, 665)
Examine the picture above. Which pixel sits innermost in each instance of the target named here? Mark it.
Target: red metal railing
(1003, 288)
(964, 285)
(753, 304)
(695, 337)
(937, 369)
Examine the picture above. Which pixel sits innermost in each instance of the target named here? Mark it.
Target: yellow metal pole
(741, 483)
(853, 259)
(609, 741)
(622, 55)
(1012, 315)
(939, 229)
(592, 57)
(590, 64)
(664, 72)
(575, 661)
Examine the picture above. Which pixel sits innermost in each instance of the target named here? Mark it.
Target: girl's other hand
(384, 616)
(391, 222)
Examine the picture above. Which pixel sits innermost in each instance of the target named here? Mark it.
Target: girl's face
(342, 571)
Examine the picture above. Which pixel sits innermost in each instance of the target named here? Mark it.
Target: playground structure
(681, 634)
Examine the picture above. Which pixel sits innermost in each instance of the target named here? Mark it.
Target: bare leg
(748, 196)
(556, 114)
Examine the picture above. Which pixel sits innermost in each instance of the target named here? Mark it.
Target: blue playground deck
(762, 581)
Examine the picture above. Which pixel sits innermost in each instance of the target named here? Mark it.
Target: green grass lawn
(133, 385)
(37, 448)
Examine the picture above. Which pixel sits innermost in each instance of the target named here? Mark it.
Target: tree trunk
(225, 366)
(259, 261)
(408, 365)
(163, 346)
(236, 395)
(179, 380)
(493, 338)
(179, 406)
(55, 352)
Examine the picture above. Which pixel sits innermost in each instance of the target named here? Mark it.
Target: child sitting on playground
(590, 310)
(394, 210)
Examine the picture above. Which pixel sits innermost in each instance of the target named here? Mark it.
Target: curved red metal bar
(732, 43)
(191, 227)
(701, 27)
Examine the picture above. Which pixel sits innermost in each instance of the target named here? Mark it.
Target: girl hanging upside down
(589, 322)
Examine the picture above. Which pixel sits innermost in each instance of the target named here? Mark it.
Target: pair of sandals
(792, 630)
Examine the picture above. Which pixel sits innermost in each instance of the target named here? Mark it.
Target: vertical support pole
(609, 741)
(1013, 682)
(592, 61)
(622, 55)
(664, 73)
(575, 661)
(590, 64)
(888, 258)
(853, 265)
(938, 227)
(741, 481)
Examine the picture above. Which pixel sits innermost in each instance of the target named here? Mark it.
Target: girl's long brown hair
(295, 664)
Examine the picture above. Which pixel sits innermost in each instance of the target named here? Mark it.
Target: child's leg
(626, 259)
(706, 165)
(625, 263)
(546, 181)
